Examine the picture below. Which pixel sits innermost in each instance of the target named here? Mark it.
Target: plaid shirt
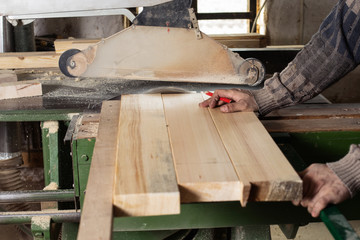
(332, 52)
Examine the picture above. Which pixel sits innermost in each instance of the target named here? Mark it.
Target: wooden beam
(256, 157)
(145, 180)
(316, 111)
(61, 45)
(204, 170)
(20, 89)
(312, 125)
(249, 40)
(29, 60)
(97, 213)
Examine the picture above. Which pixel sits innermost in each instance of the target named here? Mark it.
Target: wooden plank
(97, 213)
(250, 40)
(20, 89)
(315, 111)
(145, 180)
(204, 170)
(256, 157)
(29, 60)
(285, 46)
(61, 45)
(312, 125)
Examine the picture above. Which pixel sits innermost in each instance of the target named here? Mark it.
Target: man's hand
(243, 101)
(321, 187)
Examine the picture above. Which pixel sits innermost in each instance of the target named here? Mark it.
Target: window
(225, 16)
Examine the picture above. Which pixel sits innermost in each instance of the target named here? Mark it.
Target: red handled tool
(221, 99)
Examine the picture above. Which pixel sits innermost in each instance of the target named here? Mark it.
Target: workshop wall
(288, 23)
(294, 22)
(84, 27)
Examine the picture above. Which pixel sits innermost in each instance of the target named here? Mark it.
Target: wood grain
(256, 157)
(97, 213)
(204, 170)
(145, 180)
(20, 89)
(29, 60)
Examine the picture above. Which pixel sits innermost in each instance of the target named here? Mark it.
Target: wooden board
(315, 111)
(61, 45)
(20, 89)
(29, 60)
(145, 180)
(97, 213)
(249, 40)
(256, 157)
(204, 171)
(313, 125)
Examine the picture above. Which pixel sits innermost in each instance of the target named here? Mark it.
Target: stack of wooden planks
(165, 150)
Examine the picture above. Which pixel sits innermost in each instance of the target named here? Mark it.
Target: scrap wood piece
(204, 170)
(97, 213)
(145, 180)
(29, 60)
(256, 157)
(20, 89)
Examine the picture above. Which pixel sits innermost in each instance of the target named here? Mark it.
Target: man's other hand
(321, 187)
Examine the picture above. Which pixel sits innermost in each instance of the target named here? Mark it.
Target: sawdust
(53, 126)
(51, 186)
(42, 221)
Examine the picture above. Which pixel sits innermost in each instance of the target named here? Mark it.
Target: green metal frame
(231, 214)
(327, 146)
(82, 151)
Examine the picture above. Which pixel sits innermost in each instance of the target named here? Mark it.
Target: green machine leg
(41, 227)
(69, 231)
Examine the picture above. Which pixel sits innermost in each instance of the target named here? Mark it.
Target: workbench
(306, 133)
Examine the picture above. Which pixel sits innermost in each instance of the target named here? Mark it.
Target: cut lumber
(61, 45)
(97, 213)
(250, 40)
(256, 157)
(20, 89)
(29, 60)
(145, 179)
(7, 76)
(204, 170)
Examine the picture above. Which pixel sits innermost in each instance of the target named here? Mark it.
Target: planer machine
(165, 45)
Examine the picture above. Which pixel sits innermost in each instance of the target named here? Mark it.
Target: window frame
(250, 15)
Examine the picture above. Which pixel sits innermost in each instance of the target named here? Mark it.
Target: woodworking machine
(164, 52)
(173, 50)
